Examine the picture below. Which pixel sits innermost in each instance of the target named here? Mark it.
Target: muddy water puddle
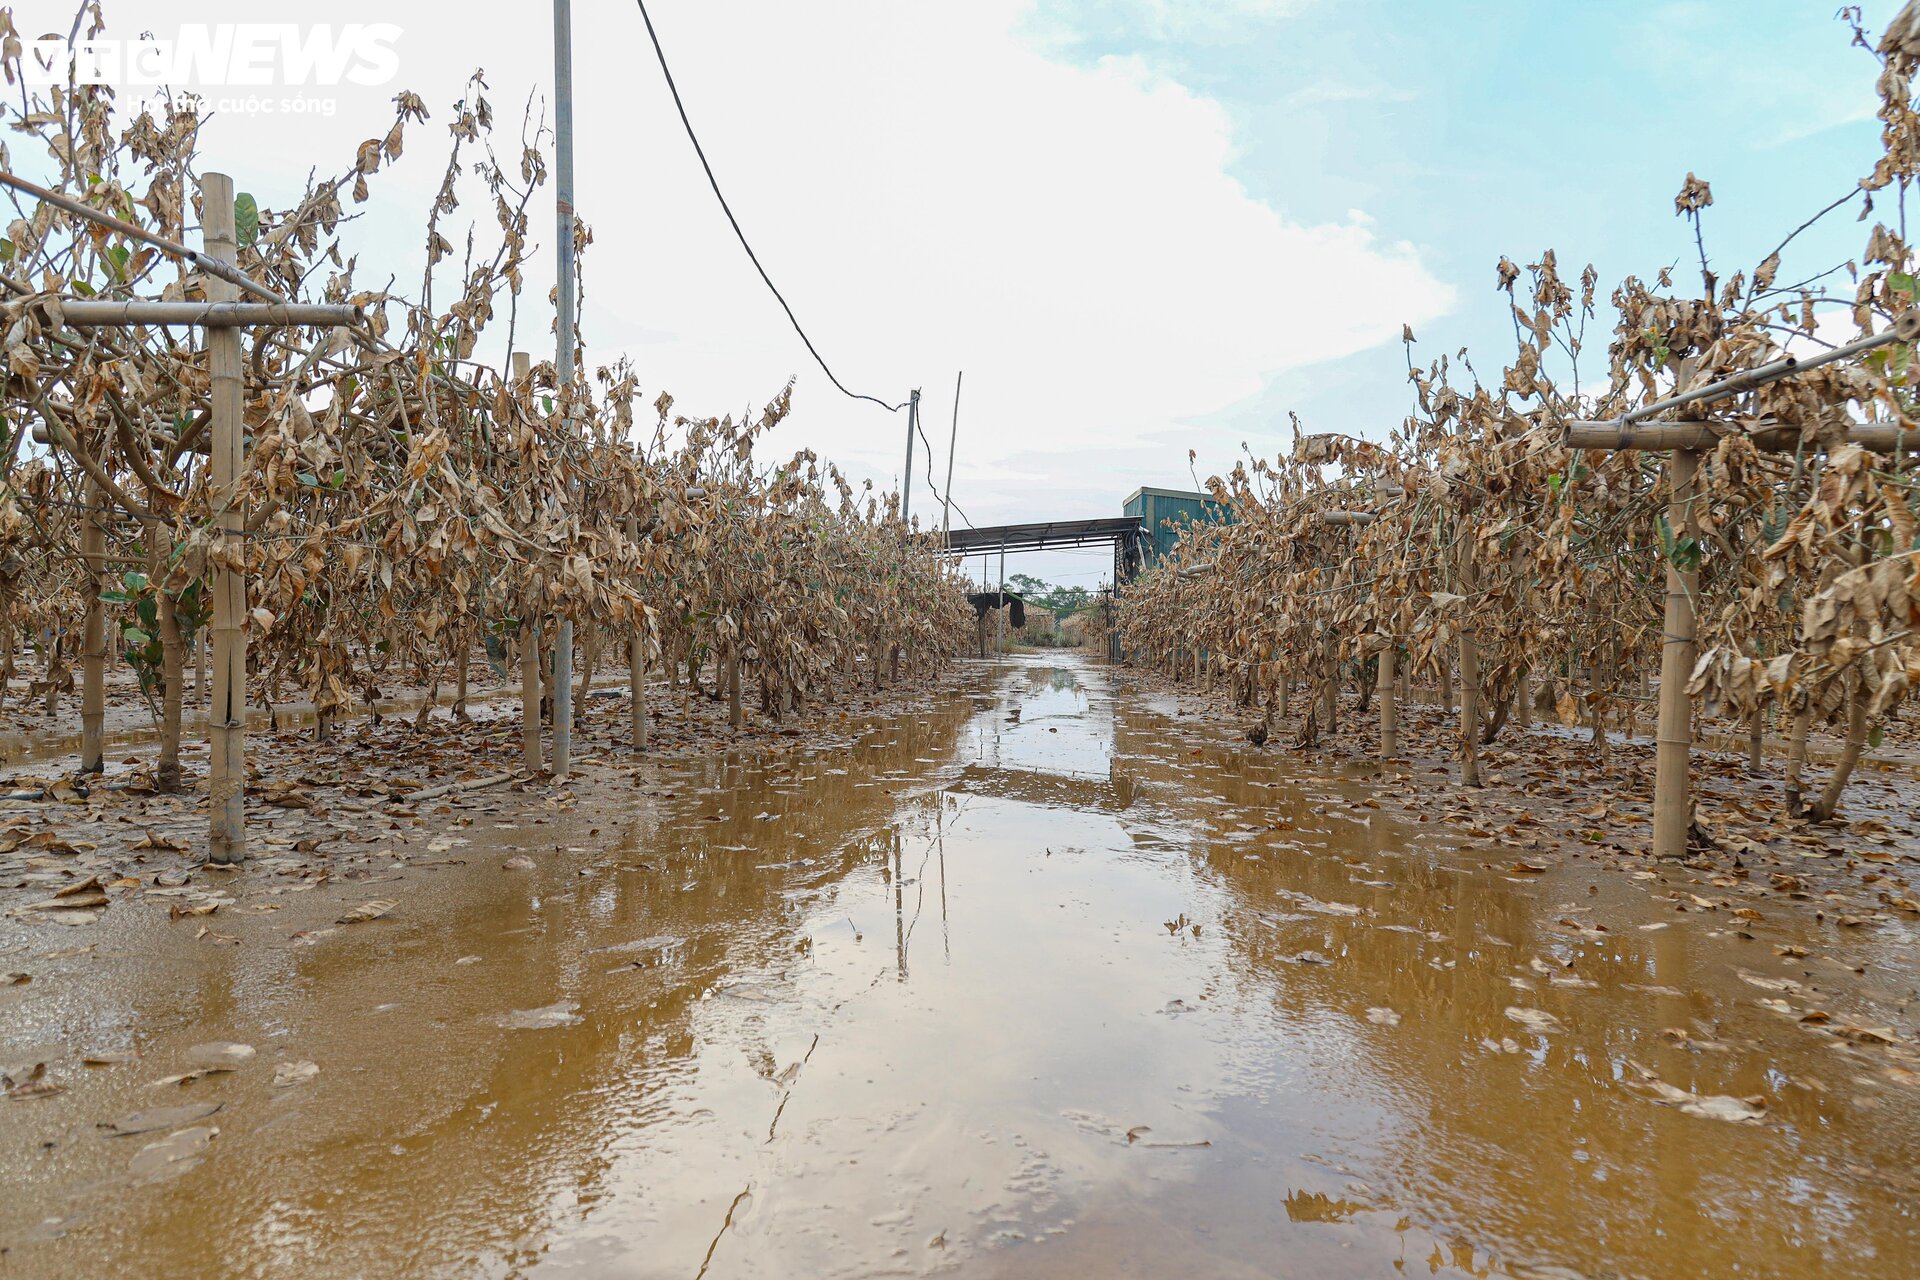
(1045, 981)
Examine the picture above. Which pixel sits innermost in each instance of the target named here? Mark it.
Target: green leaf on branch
(246, 219)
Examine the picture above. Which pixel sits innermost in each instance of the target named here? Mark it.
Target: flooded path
(1045, 981)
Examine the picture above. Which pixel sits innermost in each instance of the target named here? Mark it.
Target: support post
(946, 499)
(1389, 708)
(906, 477)
(530, 696)
(227, 717)
(93, 658)
(530, 674)
(637, 664)
(564, 364)
(1469, 671)
(1000, 618)
(1672, 801)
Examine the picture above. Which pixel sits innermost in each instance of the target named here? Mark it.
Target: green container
(1157, 507)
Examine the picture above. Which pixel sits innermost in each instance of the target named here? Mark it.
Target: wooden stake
(464, 647)
(530, 696)
(93, 656)
(1469, 673)
(532, 680)
(1672, 802)
(637, 664)
(734, 717)
(227, 717)
(1389, 709)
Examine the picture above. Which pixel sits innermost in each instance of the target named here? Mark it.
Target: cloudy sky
(1140, 226)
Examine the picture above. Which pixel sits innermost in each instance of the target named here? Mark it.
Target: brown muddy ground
(1046, 979)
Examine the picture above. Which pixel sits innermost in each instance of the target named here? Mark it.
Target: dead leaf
(370, 910)
(159, 1118)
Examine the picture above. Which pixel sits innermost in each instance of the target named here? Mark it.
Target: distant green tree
(1062, 600)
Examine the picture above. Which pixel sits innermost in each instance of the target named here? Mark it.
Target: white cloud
(929, 190)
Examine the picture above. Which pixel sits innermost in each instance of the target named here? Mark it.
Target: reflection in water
(1041, 982)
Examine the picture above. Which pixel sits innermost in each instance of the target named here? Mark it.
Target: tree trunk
(583, 680)
(1797, 760)
(1829, 802)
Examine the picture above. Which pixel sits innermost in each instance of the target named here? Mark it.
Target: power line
(735, 222)
(946, 497)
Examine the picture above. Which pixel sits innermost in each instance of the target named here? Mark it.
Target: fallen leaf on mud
(150, 839)
(36, 1085)
(15, 979)
(559, 1014)
(172, 1149)
(1718, 1106)
(108, 1057)
(159, 1118)
(518, 862)
(220, 1055)
(1867, 1035)
(80, 896)
(290, 1073)
(1534, 1019)
(366, 911)
(1526, 868)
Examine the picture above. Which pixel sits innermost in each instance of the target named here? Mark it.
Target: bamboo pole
(1469, 672)
(1766, 435)
(212, 315)
(93, 655)
(637, 664)
(1672, 806)
(1389, 708)
(530, 696)
(227, 717)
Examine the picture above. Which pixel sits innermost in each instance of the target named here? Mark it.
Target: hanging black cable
(725, 208)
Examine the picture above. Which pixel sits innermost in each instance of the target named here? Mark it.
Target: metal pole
(946, 499)
(1000, 618)
(227, 718)
(906, 478)
(563, 366)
